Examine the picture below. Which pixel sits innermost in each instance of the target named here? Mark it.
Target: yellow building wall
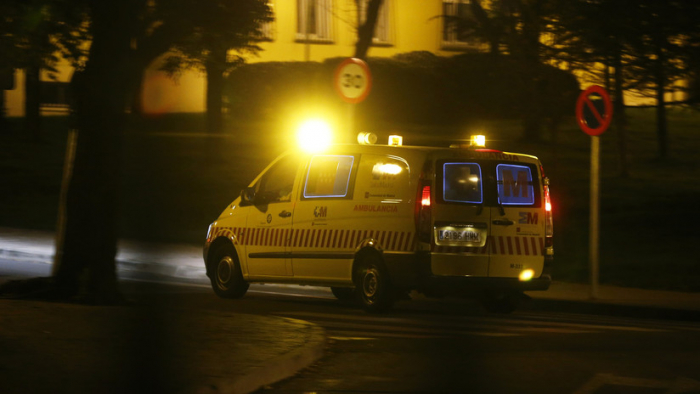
(415, 25)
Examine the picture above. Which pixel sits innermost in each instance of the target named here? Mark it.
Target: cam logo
(320, 212)
(527, 217)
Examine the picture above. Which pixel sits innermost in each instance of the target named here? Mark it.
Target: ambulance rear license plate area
(467, 235)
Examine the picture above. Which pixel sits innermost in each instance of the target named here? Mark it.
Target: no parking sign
(594, 110)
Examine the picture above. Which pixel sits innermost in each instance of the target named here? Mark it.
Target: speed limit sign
(352, 80)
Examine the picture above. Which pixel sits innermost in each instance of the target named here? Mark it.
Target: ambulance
(378, 223)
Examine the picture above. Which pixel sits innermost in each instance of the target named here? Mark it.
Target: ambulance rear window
(515, 184)
(328, 176)
(462, 183)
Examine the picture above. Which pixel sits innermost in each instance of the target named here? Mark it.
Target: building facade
(302, 30)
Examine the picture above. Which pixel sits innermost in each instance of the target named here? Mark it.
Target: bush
(416, 87)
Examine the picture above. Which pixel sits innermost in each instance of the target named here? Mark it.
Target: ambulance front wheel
(226, 277)
(372, 285)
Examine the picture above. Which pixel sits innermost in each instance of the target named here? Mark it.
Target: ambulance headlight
(314, 135)
(527, 275)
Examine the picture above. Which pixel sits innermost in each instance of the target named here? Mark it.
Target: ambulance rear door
(461, 219)
(517, 221)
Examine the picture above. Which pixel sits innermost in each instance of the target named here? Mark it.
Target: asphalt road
(453, 346)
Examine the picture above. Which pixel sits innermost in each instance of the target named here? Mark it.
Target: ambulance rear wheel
(343, 293)
(373, 286)
(227, 278)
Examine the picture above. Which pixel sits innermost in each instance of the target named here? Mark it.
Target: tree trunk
(619, 113)
(215, 88)
(4, 127)
(32, 103)
(85, 261)
(529, 55)
(366, 30)
(661, 125)
(136, 103)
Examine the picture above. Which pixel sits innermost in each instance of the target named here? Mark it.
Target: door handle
(285, 214)
(503, 222)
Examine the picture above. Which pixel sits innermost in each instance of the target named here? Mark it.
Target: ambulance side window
(277, 183)
(328, 176)
(515, 184)
(462, 183)
(383, 178)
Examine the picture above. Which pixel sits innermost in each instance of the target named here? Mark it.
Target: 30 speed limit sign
(352, 80)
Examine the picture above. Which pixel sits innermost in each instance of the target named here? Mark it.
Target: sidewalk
(148, 348)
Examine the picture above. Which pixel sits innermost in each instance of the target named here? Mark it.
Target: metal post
(351, 122)
(307, 28)
(594, 234)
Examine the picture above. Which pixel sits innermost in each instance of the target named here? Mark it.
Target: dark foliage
(416, 87)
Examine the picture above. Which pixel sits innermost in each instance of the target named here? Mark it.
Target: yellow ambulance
(376, 222)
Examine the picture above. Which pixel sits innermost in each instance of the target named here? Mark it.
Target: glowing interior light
(314, 135)
(474, 178)
(527, 275)
(366, 138)
(395, 140)
(390, 169)
(478, 140)
(425, 199)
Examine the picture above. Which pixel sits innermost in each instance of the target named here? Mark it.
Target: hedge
(416, 87)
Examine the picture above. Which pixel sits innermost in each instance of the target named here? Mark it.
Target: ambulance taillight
(423, 215)
(549, 222)
(425, 197)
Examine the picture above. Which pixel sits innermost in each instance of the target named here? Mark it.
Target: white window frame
(382, 31)
(323, 29)
(452, 41)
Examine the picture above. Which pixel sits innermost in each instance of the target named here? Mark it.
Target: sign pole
(594, 120)
(351, 121)
(594, 252)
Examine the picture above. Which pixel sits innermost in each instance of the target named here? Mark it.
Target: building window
(314, 19)
(54, 95)
(381, 30)
(453, 11)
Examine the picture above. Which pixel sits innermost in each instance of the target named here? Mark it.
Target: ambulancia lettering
(376, 208)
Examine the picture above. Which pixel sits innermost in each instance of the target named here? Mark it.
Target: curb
(612, 308)
(283, 367)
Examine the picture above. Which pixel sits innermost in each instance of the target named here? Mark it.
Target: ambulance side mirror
(248, 196)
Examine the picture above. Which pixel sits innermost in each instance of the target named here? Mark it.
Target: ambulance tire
(372, 284)
(227, 278)
(501, 303)
(343, 294)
